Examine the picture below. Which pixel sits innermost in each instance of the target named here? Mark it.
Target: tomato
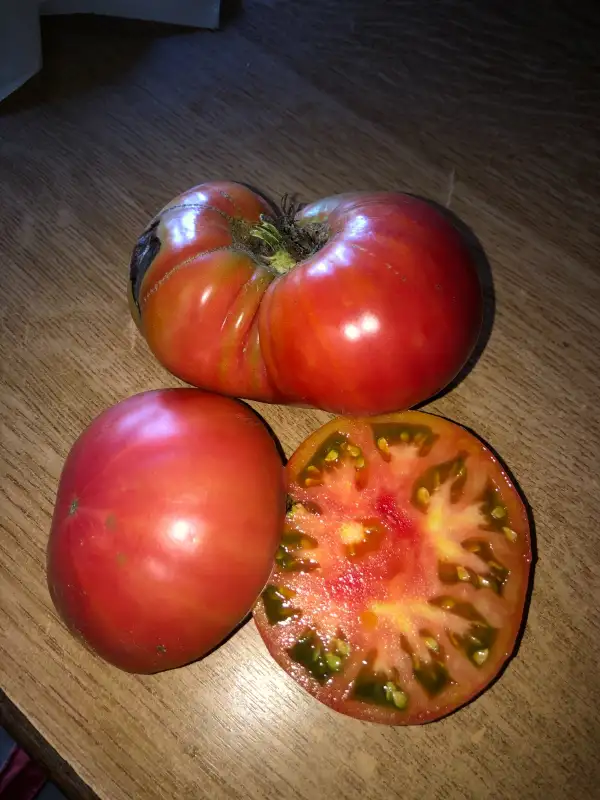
(168, 513)
(358, 304)
(400, 581)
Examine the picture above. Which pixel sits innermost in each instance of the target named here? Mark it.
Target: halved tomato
(400, 582)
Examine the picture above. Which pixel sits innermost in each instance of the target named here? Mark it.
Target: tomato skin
(401, 573)
(382, 317)
(167, 515)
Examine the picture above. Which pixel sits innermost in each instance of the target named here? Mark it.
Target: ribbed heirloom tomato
(358, 304)
(400, 581)
(168, 514)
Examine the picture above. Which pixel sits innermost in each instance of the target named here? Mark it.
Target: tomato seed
(480, 656)
(432, 644)
(423, 495)
(383, 445)
(510, 534)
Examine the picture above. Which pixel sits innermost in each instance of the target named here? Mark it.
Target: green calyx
(280, 258)
(282, 241)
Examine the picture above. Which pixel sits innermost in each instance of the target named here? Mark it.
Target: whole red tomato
(168, 514)
(357, 304)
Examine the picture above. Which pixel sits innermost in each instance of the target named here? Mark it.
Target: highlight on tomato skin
(167, 517)
(400, 582)
(359, 303)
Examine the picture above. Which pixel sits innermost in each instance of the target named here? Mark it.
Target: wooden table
(491, 112)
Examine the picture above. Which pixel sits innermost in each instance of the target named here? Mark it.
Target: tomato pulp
(168, 513)
(400, 581)
(361, 303)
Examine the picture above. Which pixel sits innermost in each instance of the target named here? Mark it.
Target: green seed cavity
(390, 433)
(277, 604)
(288, 557)
(430, 481)
(493, 509)
(379, 688)
(321, 662)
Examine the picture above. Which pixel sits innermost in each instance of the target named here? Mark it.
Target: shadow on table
(83, 52)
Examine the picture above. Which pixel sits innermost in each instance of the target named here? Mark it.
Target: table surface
(491, 112)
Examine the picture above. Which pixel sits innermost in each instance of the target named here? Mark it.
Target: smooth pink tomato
(358, 304)
(168, 513)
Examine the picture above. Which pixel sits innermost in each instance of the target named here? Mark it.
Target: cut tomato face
(400, 581)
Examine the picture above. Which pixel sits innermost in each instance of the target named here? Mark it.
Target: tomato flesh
(400, 580)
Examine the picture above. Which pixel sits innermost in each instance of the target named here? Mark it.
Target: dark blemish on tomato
(74, 506)
(121, 559)
(161, 649)
(111, 522)
(144, 253)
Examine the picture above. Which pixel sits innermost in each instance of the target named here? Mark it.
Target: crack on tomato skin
(319, 661)
(394, 433)
(277, 604)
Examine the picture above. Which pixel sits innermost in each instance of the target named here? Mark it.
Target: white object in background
(20, 40)
(20, 43)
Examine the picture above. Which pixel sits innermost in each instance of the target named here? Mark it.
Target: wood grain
(490, 110)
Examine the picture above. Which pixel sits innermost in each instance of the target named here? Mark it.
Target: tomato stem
(282, 243)
(281, 259)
